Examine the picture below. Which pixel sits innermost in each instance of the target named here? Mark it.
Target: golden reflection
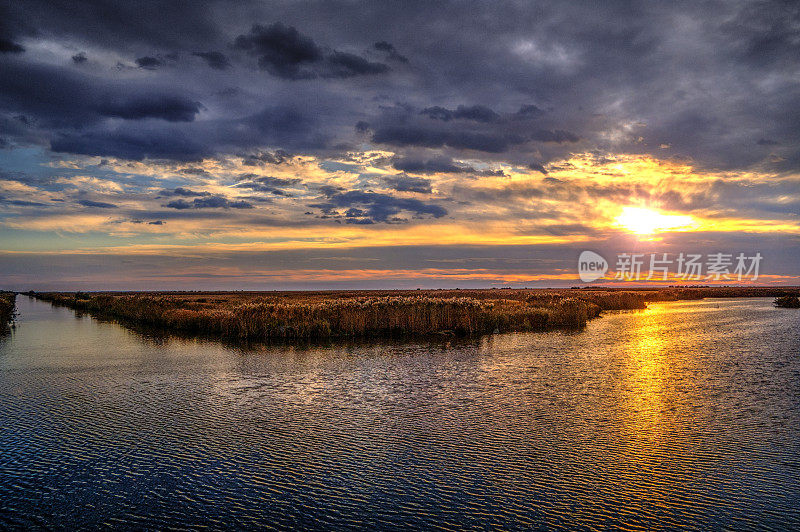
(647, 371)
(644, 405)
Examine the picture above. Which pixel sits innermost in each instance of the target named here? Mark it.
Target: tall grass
(787, 302)
(287, 315)
(604, 300)
(7, 303)
(267, 318)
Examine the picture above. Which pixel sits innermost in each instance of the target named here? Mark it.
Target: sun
(647, 221)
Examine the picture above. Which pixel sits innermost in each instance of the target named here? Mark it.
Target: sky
(211, 145)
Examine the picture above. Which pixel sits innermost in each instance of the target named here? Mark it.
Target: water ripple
(686, 415)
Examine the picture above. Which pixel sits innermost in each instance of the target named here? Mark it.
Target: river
(684, 415)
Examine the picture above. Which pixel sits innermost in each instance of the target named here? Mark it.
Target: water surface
(684, 415)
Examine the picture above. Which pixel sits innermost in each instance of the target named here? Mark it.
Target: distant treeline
(288, 315)
(7, 300)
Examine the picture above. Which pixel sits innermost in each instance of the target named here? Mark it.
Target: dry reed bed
(787, 302)
(287, 315)
(268, 318)
(7, 301)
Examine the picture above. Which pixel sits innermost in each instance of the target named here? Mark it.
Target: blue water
(686, 415)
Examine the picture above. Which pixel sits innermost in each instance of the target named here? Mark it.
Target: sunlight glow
(647, 221)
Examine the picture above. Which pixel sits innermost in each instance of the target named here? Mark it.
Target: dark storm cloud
(8, 32)
(60, 96)
(438, 138)
(766, 33)
(443, 165)
(20, 203)
(169, 108)
(269, 184)
(391, 51)
(8, 46)
(478, 113)
(515, 82)
(372, 207)
(345, 65)
(281, 50)
(216, 60)
(208, 202)
(466, 140)
(476, 127)
(185, 192)
(285, 52)
(195, 171)
(134, 144)
(290, 125)
(528, 111)
(265, 157)
(362, 127)
(79, 58)
(150, 63)
(405, 183)
(558, 136)
(97, 204)
(151, 23)
(152, 222)
(538, 167)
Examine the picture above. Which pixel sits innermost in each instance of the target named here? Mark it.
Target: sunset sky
(268, 145)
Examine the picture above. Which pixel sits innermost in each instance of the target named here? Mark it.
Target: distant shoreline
(267, 316)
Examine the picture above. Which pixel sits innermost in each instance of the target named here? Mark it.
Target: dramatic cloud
(475, 127)
(478, 113)
(97, 204)
(277, 157)
(150, 63)
(404, 183)
(431, 166)
(433, 138)
(306, 124)
(527, 112)
(21, 203)
(345, 65)
(280, 49)
(542, 89)
(439, 165)
(169, 108)
(538, 168)
(286, 53)
(371, 207)
(7, 46)
(209, 202)
(215, 60)
(136, 144)
(185, 192)
(268, 184)
(59, 96)
(390, 50)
